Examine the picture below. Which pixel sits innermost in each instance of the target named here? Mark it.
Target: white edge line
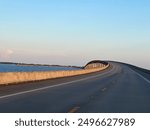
(33, 90)
(142, 76)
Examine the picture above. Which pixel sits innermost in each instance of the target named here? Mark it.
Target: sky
(74, 32)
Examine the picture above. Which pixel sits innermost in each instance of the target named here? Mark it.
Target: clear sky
(73, 32)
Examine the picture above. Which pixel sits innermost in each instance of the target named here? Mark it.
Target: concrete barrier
(17, 77)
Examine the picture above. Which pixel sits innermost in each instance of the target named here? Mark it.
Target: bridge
(118, 88)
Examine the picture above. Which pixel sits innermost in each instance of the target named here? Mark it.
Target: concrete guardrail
(18, 77)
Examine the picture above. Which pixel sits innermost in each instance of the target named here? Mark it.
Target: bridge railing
(17, 77)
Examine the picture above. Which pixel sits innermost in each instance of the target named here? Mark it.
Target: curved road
(116, 89)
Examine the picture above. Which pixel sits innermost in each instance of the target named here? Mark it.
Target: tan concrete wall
(94, 65)
(17, 77)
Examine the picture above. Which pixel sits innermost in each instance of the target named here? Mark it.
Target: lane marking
(73, 110)
(66, 83)
(142, 77)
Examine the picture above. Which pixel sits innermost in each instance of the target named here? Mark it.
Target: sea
(31, 68)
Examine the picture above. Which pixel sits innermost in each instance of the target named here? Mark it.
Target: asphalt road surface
(118, 89)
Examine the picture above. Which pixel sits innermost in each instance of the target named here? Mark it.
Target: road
(117, 89)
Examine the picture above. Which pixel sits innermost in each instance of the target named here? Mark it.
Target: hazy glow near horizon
(73, 32)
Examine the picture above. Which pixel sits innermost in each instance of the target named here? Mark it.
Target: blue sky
(73, 32)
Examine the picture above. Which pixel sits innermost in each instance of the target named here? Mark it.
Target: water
(23, 68)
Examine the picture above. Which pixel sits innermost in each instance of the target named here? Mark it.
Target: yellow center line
(73, 110)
